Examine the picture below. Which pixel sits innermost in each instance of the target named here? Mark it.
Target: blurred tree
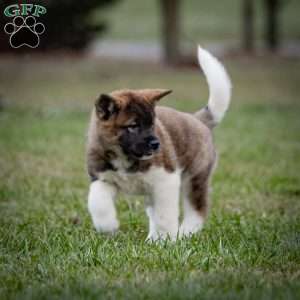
(272, 37)
(67, 22)
(248, 25)
(170, 10)
(271, 24)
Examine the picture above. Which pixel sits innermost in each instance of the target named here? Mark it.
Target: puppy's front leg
(101, 206)
(163, 212)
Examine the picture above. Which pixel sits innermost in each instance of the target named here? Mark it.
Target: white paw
(190, 227)
(101, 207)
(106, 225)
(156, 236)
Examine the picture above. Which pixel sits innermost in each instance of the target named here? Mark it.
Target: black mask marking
(139, 140)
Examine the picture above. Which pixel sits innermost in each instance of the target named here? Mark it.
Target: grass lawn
(250, 246)
(202, 21)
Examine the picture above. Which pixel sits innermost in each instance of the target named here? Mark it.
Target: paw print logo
(24, 32)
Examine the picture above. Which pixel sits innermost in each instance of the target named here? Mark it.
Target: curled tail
(219, 89)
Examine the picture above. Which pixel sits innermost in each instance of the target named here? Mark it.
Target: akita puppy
(137, 147)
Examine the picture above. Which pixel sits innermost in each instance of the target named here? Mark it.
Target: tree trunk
(248, 25)
(271, 25)
(170, 10)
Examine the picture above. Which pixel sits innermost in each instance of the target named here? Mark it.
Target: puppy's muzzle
(154, 145)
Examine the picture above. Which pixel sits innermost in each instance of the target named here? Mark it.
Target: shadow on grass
(229, 284)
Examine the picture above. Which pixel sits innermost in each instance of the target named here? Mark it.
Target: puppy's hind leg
(101, 206)
(195, 203)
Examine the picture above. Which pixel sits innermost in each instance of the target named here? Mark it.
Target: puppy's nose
(154, 144)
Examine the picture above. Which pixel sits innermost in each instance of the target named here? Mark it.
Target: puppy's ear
(154, 95)
(106, 106)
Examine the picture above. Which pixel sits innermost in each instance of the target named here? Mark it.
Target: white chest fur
(128, 183)
(137, 183)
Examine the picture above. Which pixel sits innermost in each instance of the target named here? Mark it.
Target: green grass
(202, 21)
(250, 246)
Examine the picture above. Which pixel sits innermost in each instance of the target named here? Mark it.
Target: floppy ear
(106, 106)
(154, 95)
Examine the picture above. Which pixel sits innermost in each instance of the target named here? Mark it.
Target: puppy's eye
(132, 127)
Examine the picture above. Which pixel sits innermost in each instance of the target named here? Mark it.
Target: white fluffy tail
(219, 89)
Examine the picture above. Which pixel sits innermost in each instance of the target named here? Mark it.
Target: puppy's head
(126, 119)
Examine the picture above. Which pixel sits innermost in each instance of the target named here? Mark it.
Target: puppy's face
(126, 119)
